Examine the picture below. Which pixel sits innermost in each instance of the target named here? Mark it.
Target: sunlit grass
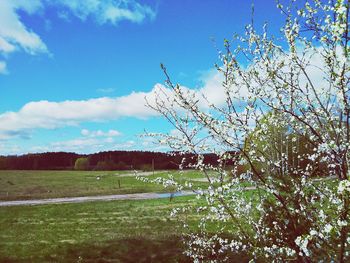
(16, 185)
(65, 232)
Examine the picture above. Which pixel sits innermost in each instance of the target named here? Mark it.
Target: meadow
(21, 185)
(115, 231)
(99, 231)
(106, 231)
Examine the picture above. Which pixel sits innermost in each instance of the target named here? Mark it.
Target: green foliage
(273, 140)
(122, 166)
(108, 165)
(146, 167)
(3, 163)
(81, 164)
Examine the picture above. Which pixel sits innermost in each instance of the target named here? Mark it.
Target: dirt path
(82, 199)
(137, 173)
(140, 196)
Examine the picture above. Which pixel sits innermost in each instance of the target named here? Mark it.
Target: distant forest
(111, 160)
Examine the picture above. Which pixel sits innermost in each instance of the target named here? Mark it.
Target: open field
(113, 231)
(128, 231)
(21, 185)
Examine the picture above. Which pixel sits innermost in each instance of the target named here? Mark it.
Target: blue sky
(73, 73)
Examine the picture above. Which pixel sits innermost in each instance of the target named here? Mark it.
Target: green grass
(115, 231)
(18, 185)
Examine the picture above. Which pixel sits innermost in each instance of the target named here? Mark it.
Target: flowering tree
(286, 114)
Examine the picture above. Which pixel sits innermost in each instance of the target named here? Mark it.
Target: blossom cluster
(280, 189)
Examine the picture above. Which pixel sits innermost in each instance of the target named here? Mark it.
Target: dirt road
(139, 196)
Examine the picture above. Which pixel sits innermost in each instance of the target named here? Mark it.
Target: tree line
(110, 160)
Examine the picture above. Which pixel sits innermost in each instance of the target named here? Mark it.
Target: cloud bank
(50, 115)
(90, 141)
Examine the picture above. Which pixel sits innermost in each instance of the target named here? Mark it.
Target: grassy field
(125, 231)
(112, 231)
(17, 185)
(128, 231)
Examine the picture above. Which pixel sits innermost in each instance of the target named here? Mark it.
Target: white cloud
(81, 145)
(10, 149)
(126, 145)
(107, 11)
(78, 145)
(50, 115)
(5, 46)
(3, 69)
(99, 133)
(85, 132)
(212, 88)
(112, 133)
(15, 35)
